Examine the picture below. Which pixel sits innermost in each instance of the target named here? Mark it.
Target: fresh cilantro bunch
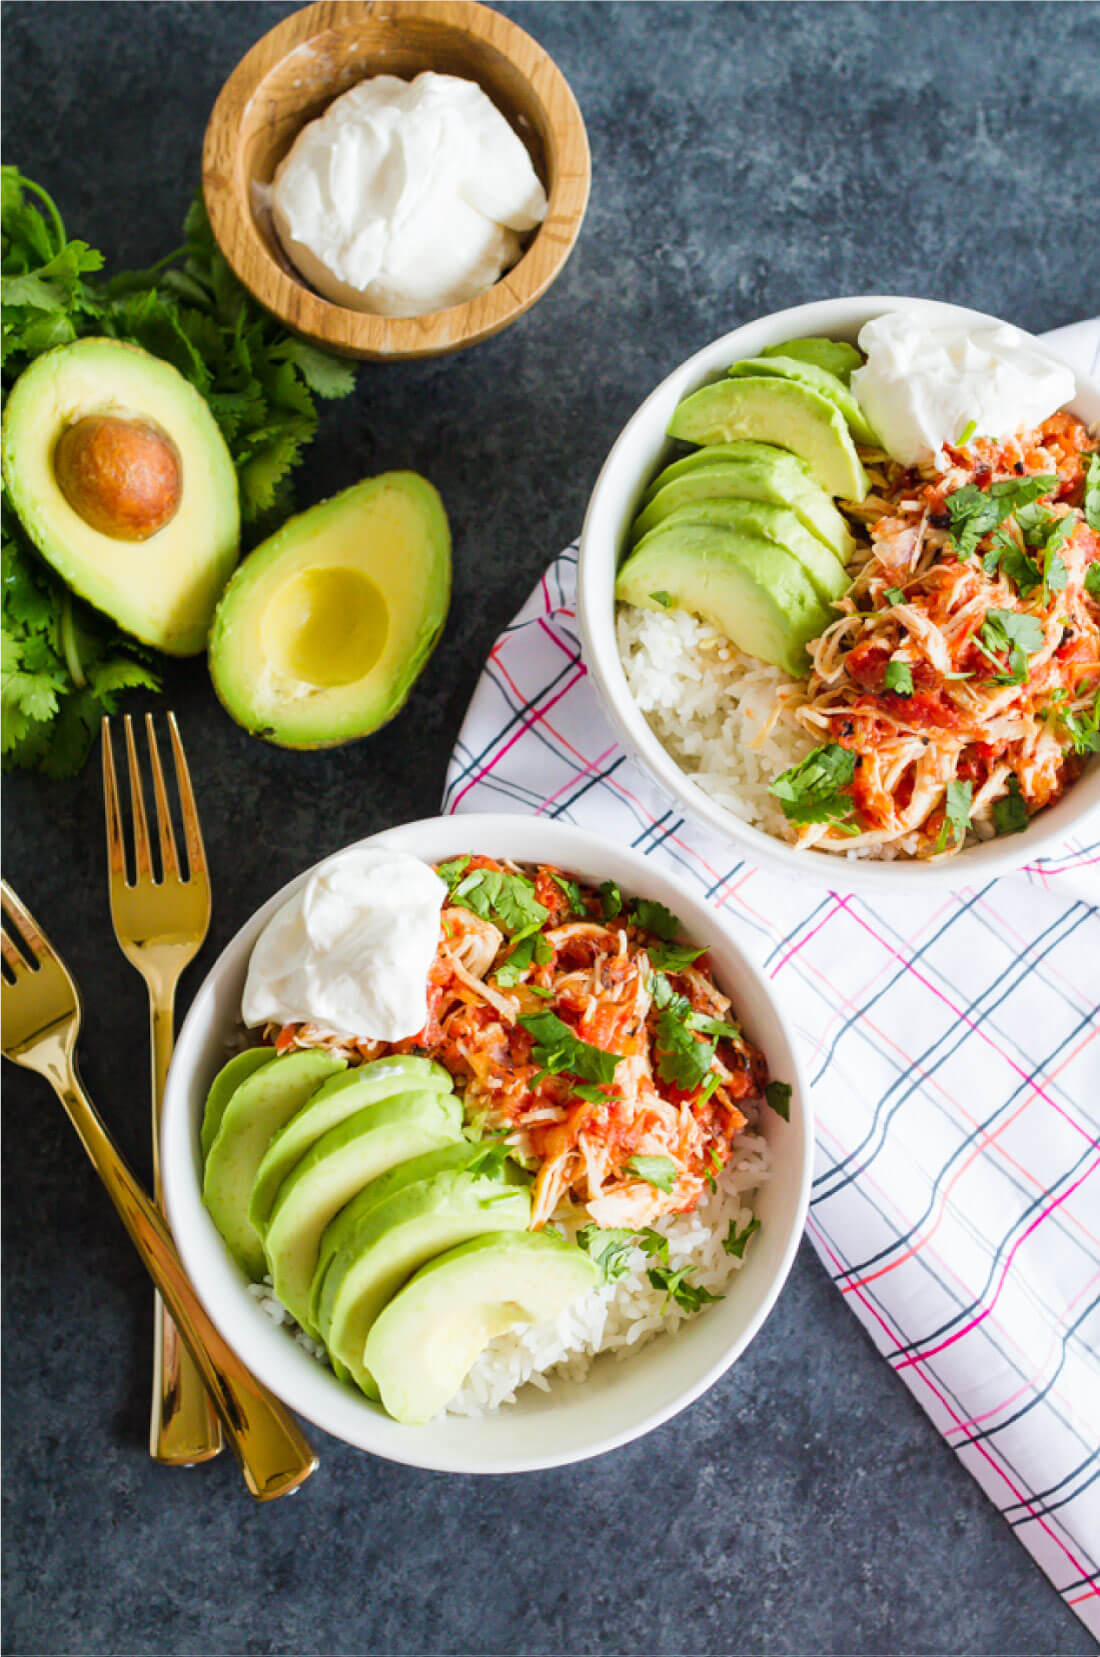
(64, 664)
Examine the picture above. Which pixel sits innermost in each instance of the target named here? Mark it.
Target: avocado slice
(333, 1170)
(777, 411)
(818, 379)
(397, 1238)
(256, 1111)
(421, 1346)
(465, 1156)
(338, 1099)
(718, 454)
(325, 627)
(225, 1084)
(123, 481)
(778, 481)
(835, 355)
(749, 588)
(823, 569)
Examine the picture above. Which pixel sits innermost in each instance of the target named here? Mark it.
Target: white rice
(615, 1317)
(708, 704)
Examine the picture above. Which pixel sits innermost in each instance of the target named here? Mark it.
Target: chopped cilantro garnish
(665, 600)
(508, 901)
(609, 1247)
(557, 1049)
(967, 433)
(1083, 729)
(673, 957)
(678, 1286)
(1022, 571)
(1010, 813)
(524, 954)
(956, 813)
(658, 1171)
(1092, 580)
(894, 595)
(899, 678)
(736, 1240)
(1015, 632)
(1055, 574)
(778, 1095)
(654, 1244)
(1091, 503)
(577, 905)
(682, 1060)
(611, 900)
(655, 918)
(715, 1027)
(975, 512)
(592, 1093)
(811, 791)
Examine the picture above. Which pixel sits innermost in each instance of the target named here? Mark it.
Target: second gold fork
(160, 925)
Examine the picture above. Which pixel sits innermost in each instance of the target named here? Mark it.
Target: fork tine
(116, 851)
(12, 958)
(23, 924)
(143, 862)
(169, 859)
(196, 855)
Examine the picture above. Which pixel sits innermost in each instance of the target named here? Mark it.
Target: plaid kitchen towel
(952, 1050)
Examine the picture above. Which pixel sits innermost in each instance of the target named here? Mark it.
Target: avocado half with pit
(325, 627)
(122, 479)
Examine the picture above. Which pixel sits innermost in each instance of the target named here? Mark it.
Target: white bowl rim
(620, 480)
(286, 1369)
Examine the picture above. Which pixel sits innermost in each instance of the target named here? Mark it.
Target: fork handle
(183, 1425)
(274, 1454)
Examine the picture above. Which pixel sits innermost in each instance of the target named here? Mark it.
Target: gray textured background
(745, 158)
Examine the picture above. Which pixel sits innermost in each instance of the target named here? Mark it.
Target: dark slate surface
(745, 158)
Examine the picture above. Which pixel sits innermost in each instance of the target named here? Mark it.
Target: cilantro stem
(51, 208)
(67, 634)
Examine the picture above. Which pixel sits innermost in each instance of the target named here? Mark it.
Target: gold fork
(160, 925)
(41, 1010)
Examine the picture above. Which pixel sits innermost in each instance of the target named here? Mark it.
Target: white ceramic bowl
(641, 449)
(620, 1400)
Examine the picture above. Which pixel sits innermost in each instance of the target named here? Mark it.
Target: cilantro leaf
(1013, 631)
(1091, 502)
(682, 1060)
(658, 1171)
(1083, 729)
(811, 791)
(778, 1095)
(736, 1241)
(899, 678)
(958, 797)
(558, 1049)
(611, 900)
(1010, 812)
(665, 600)
(1092, 580)
(679, 1286)
(974, 512)
(609, 1247)
(577, 905)
(654, 917)
(508, 901)
(894, 595)
(673, 957)
(524, 954)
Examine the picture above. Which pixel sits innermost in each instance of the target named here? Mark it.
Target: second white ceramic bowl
(620, 1400)
(640, 451)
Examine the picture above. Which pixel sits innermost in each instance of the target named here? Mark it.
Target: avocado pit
(123, 477)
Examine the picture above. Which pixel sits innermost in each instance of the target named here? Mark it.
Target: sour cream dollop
(406, 197)
(351, 950)
(924, 383)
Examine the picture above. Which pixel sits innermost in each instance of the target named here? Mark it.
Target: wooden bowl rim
(364, 334)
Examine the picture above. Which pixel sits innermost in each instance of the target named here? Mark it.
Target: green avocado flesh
(774, 410)
(333, 1103)
(817, 379)
(779, 481)
(395, 1239)
(254, 1114)
(421, 1346)
(748, 587)
(337, 1167)
(834, 355)
(162, 589)
(225, 1084)
(461, 1157)
(822, 568)
(325, 627)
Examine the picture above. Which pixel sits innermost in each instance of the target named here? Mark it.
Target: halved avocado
(421, 1346)
(778, 411)
(818, 379)
(836, 355)
(122, 480)
(822, 568)
(339, 1098)
(779, 480)
(257, 1110)
(225, 1084)
(325, 627)
(395, 1240)
(749, 588)
(342, 1161)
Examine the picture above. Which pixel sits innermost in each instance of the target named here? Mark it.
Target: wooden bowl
(295, 71)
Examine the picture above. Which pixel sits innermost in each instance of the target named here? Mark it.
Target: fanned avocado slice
(776, 478)
(753, 591)
(422, 1345)
(817, 379)
(835, 355)
(822, 568)
(225, 1084)
(774, 410)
